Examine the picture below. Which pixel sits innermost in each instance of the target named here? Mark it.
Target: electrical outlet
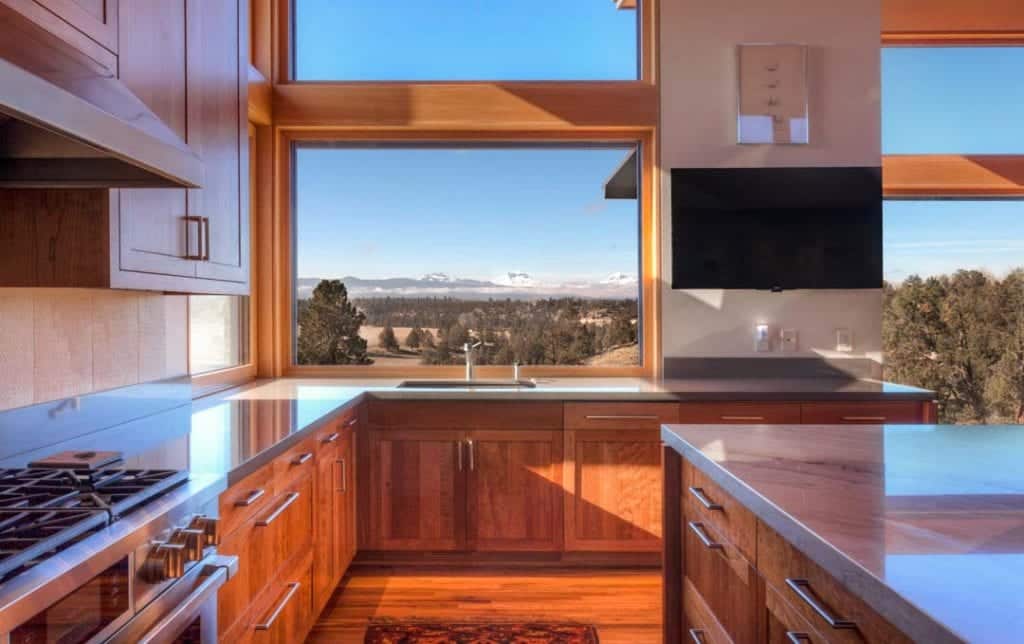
(844, 340)
(790, 340)
(762, 338)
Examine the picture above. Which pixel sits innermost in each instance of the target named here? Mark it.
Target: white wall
(698, 129)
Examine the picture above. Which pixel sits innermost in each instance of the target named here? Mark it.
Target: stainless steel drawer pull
(698, 493)
(798, 638)
(267, 625)
(330, 439)
(206, 239)
(698, 529)
(697, 635)
(352, 422)
(189, 220)
(344, 476)
(802, 588)
(251, 498)
(458, 446)
(743, 419)
(279, 511)
(302, 458)
(864, 419)
(624, 417)
(472, 456)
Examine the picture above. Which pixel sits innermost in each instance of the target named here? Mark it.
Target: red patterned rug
(396, 632)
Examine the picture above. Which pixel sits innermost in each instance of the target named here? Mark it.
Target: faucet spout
(470, 350)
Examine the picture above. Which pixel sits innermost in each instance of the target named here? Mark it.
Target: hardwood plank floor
(624, 605)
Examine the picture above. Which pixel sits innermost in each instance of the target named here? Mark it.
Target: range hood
(52, 137)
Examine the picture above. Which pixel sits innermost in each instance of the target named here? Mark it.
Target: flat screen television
(777, 228)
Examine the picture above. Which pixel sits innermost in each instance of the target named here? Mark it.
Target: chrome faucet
(470, 350)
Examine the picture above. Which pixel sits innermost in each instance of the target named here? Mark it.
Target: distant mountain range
(514, 284)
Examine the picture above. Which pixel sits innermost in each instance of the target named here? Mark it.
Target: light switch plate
(790, 340)
(762, 338)
(844, 340)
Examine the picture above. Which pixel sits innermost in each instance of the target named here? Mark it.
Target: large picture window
(404, 253)
(456, 40)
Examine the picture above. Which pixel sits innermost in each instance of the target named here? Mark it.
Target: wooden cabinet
(97, 19)
(514, 495)
(334, 540)
(860, 413)
(786, 625)
(286, 613)
(739, 413)
(612, 475)
(416, 490)
(345, 501)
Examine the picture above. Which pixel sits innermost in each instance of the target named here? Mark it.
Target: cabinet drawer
(296, 462)
(599, 416)
(702, 626)
(706, 502)
(724, 578)
(816, 596)
(283, 530)
(862, 413)
(785, 624)
(246, 498)
(286, 613)
(442, 414)
(740, 413)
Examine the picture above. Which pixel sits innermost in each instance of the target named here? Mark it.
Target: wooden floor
(624, 605)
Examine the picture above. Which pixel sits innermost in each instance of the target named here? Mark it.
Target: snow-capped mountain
(513, 284)
(517, 279)
(620, 279)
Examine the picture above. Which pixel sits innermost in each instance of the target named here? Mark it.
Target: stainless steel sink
(467, 384)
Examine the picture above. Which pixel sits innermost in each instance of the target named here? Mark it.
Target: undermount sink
(467, 384)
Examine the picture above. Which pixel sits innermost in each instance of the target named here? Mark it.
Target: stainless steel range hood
(53, 138)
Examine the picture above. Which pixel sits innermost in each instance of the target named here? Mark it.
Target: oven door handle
(173, 613)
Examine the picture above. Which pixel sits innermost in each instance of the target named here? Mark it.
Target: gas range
(119, 548)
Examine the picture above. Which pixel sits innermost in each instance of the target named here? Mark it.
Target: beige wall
(56, 343)
(698, 129)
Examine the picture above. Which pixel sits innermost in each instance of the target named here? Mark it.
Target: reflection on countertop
(932, 513)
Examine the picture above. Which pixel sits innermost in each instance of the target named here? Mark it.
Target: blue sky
(469, 212)
(479, 213)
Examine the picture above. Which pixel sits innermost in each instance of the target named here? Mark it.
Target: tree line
(961, 335)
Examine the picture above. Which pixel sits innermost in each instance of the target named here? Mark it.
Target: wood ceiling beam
(951, 176)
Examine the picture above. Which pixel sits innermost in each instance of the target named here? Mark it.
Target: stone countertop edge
(918, 624)
(268, 455)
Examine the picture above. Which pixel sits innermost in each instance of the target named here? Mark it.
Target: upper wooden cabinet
(187, 62)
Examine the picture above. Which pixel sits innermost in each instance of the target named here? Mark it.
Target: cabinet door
(345, 500)
(514, 493)
(94, 18)
(325, 550)
(417, 490)
(151, 225)
(613, 483)
(217, 113)
(727, 583)
(289, 615)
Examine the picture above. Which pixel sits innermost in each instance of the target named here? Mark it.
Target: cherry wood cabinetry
(739, 413)
(71, 20)
(860, 413)
(612, 473)
(807, 413)
(334, 541)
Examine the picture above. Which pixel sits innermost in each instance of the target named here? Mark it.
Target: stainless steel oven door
(186, 611)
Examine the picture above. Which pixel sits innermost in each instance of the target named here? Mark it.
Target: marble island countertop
(924, 523)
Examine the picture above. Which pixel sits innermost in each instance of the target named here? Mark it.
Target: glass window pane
(953, 319)
(436, 246)
(953, 100)
(413, 40)
(218, 332)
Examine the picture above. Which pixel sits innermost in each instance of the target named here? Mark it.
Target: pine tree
(415, 338)
(388, 340)
(328, 328)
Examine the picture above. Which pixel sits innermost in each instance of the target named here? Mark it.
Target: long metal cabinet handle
(698, 493)
(698, 529)
(697, 635)
(189, 220)
(622, 417)
(267, 625)
(864, 419)
(743, 419)
(302, 458)
(206, 239)
(251, 498)
(458, 446)
(802, 588)
(797, 638)
(344, 476)
(279, 511)
(472, 456)
(330, 439)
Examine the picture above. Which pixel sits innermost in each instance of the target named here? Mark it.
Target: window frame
(649, 255)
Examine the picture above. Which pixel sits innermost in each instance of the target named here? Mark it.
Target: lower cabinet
(286, 611)
(723, 579)
(334, 538)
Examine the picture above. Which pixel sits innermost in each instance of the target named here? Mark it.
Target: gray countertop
(925, 523)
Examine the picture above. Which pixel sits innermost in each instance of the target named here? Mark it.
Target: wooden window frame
(285, 260)
(419, 112)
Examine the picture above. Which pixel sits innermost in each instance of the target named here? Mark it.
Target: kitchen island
(785, 533)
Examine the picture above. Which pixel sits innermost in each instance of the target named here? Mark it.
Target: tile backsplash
(57, 343)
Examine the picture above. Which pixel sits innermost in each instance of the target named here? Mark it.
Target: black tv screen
(777, 228)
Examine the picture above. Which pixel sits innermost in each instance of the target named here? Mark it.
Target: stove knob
(165, 561)
(193, 542)
(210, 527)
